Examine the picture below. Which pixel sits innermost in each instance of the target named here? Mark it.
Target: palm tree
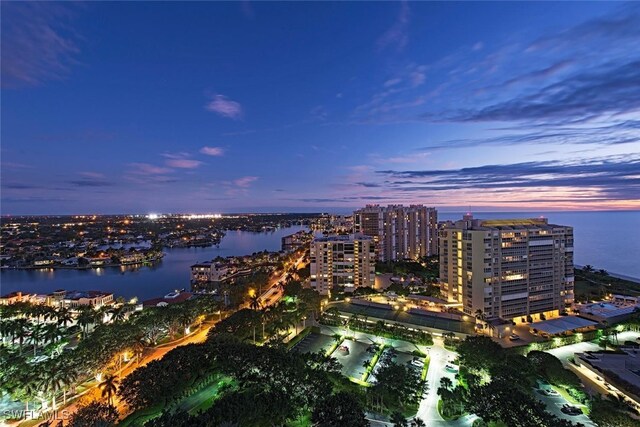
(20, 330)
(109, 387)
(64, 316)
(417, 422)
(86, 318)
(446, 383)
(37, 333)
(52, 382)
(587, 268)
(52, 332)
(254, 302)
(117, 314)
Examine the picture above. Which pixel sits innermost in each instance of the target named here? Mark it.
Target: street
(428, 409)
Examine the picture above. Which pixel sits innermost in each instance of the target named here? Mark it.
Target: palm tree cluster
(271, 386)
(261, 323)
(98, 348)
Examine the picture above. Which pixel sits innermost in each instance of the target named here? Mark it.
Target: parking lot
(554, 405)
(352, 361)
(396, 357)
(314, 343)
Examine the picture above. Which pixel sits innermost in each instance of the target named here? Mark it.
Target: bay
(144, 282)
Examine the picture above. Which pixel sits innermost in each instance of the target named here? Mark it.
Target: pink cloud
(225, 107)
(184, 163)
(245, 181)
(147, 169)
(212, 151)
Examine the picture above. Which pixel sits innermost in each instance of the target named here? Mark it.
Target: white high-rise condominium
(507, 268)
(342, 260)
(400, 232)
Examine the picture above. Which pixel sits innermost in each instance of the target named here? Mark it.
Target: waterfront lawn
(590, 285)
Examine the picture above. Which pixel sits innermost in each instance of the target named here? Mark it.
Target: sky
(114, 107)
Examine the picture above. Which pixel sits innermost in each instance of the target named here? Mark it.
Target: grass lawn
(425, 369)
(563, 392)
(303, 421)
(203, 399)
(446, 418)
(200, 400)
(141, 416)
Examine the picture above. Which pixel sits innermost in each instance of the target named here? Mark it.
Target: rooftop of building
(470, 223)
(342, 238)
(172, 298)
(608, 309)
(75, 295)
(562, 324)
(624, 364)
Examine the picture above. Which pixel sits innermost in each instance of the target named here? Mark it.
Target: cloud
(603, 134)
(610, 90)
(37, 43)
(613, 177)
(245, 181)
(212, 151)
(87, 182)
(148, 169)
(95, 175)
(398, 35)
(224, 107)
(184, 163)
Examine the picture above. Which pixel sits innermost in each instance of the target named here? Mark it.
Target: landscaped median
(295, 340)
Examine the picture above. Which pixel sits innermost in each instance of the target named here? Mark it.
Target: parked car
(451, 368)
(571, 410)
(514, 337)
(550, 392)
(417, 362)
(344, 348)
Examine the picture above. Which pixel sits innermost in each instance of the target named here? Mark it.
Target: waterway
(144, 282)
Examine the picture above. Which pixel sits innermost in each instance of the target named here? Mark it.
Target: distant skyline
(139, 107)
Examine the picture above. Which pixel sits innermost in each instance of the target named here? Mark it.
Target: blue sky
(217, 107)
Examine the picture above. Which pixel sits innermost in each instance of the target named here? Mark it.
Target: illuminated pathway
(428, 409)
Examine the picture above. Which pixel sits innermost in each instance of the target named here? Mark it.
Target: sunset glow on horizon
(138, 107)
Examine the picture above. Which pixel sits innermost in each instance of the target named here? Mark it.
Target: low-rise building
(293, 241)
(15, 297)
(71, 299)
(619, 369)
(210, 272)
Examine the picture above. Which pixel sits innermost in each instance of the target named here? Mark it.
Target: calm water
(144, 282)
(609, 240)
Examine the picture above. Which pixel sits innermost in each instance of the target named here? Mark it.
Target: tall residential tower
(342, 260)
(508, 268)
(400, 232)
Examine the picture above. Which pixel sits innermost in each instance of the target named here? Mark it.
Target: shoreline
(616, 275)
(88, 267)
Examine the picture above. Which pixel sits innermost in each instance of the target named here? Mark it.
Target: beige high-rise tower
(507, 268)
(342, 260)
(400, 232)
